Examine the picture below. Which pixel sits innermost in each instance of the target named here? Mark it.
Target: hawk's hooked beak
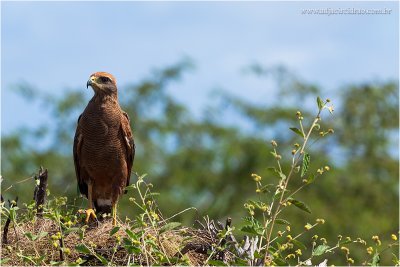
(89, 83)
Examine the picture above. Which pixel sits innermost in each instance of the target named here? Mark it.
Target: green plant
(280, 245)
(58, 236)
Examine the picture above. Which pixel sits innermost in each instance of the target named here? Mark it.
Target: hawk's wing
(78, 139)
(129, 143)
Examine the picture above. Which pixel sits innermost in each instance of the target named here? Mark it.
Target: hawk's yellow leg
(90, 211)
(114, 214)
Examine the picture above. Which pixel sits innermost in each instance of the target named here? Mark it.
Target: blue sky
(55, 46)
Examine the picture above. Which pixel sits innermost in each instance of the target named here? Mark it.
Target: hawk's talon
(89, 214)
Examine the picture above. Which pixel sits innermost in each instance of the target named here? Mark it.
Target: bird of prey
(104, 148)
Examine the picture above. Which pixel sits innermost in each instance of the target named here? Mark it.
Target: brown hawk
(104, 148)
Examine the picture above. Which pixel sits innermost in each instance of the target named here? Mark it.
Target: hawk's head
(102, 82)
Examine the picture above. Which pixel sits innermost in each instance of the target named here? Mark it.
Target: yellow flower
(321, 221)
(307, 226)
(370, 250)
(264, 208)
(155, 216)
(256, 177)
(67, 251)
(394, 237)
(298, 252)
(377, 240)
(290, 256)
(345, 250)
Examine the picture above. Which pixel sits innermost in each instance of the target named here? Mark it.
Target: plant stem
(275, 214)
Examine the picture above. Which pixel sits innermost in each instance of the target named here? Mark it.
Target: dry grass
(98, 239)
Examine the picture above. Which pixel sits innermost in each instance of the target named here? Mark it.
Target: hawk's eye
(105, 79)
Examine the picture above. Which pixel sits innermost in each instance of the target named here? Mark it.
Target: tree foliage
(206, 162)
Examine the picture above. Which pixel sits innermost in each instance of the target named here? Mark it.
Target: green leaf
(300, 205)
(140, 178)
(248, 219)
(169, 226)
(376, 259)
(345, 242)
(102, 259)
(82, 248)
(311, 179)
(153, 194)
(30, 236)
(298, 244)
(42, 234)
(114, 230)
(130, 187)
(282, 221)
(33, 237)
(320, 103)
(13, 214)
(130, 247)
(127, 241)
(280, 261)
(297, 131)
(306, 163)
(240, 262)
(27, 259)
(3, 261)
(320, 250)
(216, 263)
(131, 234)
(71, 230)
(251, 229)
(81, 234)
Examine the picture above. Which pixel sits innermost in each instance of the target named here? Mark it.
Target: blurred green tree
(206, 162)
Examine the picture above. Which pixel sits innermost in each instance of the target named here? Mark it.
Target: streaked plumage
(103, 146)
